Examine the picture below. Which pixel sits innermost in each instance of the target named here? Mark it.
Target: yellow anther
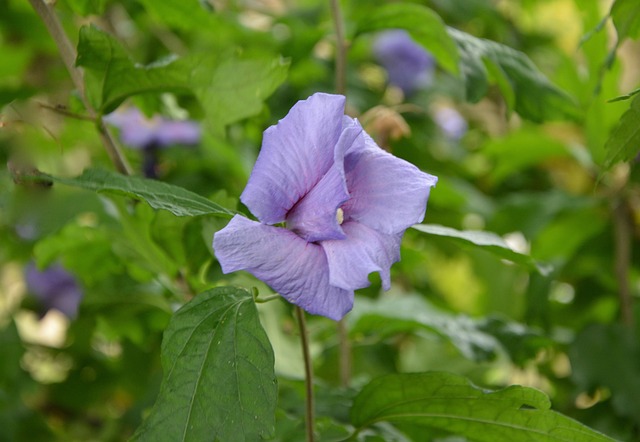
(339, 215)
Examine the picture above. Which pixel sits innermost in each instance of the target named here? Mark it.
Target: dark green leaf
(535, 97)
(626, 18)
(159, 195)
(449, 402)
(391, 315)
(624, 142)
(115, 75)
(219, 382)
(424, 25)
(487, 241)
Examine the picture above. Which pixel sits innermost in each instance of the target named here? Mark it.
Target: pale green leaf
(626, 18)
(487, 241)
(219, 382)
(450, 403)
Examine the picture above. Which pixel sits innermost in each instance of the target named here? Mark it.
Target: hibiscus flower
(332, 207)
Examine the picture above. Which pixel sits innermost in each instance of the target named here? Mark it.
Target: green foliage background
(512, 315)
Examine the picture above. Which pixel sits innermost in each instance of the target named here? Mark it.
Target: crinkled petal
(362, 252)
(314, 216)
(388, 194)
(294, 268)
(296, 153)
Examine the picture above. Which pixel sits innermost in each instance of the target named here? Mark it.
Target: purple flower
(344, 201)
(55, 288)
(408, 64)
(139, 132)
(452, 124)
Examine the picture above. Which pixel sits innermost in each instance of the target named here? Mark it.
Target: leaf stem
(68, 55)
(308, 375)
(341, 48)
(344, 348)
(622, 237)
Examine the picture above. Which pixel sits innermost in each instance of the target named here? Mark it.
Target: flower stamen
(339, 216)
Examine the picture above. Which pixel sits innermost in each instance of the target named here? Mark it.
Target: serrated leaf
(391, 315)
(487, 241)
(424, 25)
(235, 88)
(534, 96)
(159, 195)
(624, 142)
(449, 402)
(115, 75)
(219, 381)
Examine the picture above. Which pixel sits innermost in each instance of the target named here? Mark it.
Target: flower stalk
(308, 376)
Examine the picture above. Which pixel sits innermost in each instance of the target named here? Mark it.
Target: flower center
(339, 216)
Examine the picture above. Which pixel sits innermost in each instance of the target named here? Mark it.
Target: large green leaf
(624, 142)
(424, 25)
(219, 382)
(487, 241)
(450, 403)
(115, 76)
(159, 195)
(534, 97)
(235, 88)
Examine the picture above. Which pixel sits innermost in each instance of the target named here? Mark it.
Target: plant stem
(308, 375)
(341, 48)
(68, 55)
(344, 355)
(622, 236)
(344, 345)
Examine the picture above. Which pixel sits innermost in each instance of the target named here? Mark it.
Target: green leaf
(219, 382)
(391, 315)
(87, 7)
(624, 142)
(183, 14)
(424, 25)
(487, 241)
(449, 402)
(235, 88)
(626, 18)
(159, 195)
(534, 96)
(115, 77)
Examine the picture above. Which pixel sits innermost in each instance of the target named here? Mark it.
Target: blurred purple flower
(55, 288)
(149, 135)
(452, 124)
(140, 132)
(409, 65)
(344, 201)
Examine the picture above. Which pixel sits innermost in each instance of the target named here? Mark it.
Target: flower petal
(294, 268)
(362, 252)
(388, 194)
(295, 155)
(314, 216)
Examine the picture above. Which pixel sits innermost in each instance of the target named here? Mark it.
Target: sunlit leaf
(235, 88)
(159, 195)
(487, 241)
(624, 142)
(219, 382)
(535, 97)
(450, 403)
(424, 25)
